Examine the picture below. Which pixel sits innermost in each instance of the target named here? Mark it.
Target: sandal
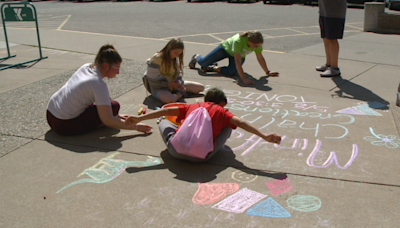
(210, 68)
(193, 61)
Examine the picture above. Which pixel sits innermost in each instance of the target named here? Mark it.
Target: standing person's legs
(332, 29)
(214, 56)
(86, 122)
(333, 52)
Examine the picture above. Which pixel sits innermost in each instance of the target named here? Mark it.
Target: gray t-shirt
(332, 8)
(85, 87)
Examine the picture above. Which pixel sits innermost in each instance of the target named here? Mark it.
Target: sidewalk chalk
(140, 111)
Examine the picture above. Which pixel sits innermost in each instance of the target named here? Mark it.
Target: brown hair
(253, 36)
(107, 54)
(174, 43)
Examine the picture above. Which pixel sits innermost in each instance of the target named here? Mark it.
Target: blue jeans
(216, 55)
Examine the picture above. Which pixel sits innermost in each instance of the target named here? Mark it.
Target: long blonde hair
(253, 36)
(167, 61)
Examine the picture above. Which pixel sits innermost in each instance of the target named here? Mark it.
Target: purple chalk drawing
(277, 187)
(240, 201)
(332, 157)
(389, 141)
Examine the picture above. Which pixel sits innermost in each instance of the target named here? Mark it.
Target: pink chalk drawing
(277, 187)
(389, 141)
(332, 157)
(209, 193)
(240, 201)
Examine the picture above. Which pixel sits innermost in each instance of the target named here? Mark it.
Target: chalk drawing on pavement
(244, 177)
(364, 109)
(389, 141)
(269, 208)
(304, 203)
(108, 169)
(239, 201)
(209, 193)
(277, 187)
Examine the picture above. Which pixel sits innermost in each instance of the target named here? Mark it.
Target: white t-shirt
(85, 87)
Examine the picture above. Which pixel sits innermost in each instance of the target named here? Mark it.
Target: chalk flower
(389, 141)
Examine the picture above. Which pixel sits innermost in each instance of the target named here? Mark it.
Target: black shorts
(331, 28)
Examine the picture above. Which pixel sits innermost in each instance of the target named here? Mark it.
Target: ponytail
(253, 36)
(107, 54)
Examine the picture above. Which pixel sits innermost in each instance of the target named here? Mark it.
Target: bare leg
(334, 52)
(194, 87)
(327, 51)
(167, 97)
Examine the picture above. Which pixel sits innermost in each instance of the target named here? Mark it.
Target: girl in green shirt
(235, 48)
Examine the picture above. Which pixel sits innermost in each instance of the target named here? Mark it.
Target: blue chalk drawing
(110, 169)
(304, 203)
(269, 208)
(389, 141)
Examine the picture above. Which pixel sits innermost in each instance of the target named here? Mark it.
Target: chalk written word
(239, 201)
(277, 187)
(109, 169)
(304, 203)
(266, 107)
(209, 193)
(255, 141)
(389, 141)
(269, 208)
(244, 177)
(283, 113)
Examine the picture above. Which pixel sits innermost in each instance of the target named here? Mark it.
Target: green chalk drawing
(110, 169)
(389, 141)
(304, 203)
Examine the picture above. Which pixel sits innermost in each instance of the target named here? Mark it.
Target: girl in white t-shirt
(84, 103)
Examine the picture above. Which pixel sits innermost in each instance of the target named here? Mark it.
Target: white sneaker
(331, 72)
(322, 68)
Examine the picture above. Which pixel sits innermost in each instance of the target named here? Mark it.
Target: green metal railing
(19, 11)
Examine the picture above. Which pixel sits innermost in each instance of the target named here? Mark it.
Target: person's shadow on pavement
(206, 171)
(350, 90)
(104, 139)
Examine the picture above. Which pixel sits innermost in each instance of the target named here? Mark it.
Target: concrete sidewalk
(339, 153)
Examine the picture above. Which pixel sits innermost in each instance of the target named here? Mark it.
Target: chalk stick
(140, 111)
(144, 110)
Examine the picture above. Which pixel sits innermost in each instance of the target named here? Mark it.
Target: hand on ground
(247, 81)
(274, 138)
(143, 128)
(273, 74)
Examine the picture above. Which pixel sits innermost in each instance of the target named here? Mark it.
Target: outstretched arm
(107, 118)
(263, 64)
(172, 111)
(274, 138)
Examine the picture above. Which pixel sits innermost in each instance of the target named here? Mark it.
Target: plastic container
(173, 118)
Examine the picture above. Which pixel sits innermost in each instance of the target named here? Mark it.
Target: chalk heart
(209, 193)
